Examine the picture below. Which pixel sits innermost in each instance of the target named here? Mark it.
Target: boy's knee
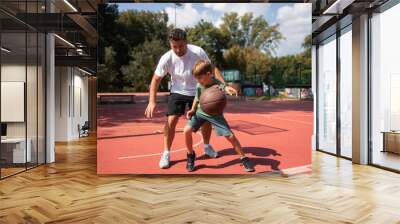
(206, 125)
(230, 137)
(187, 129)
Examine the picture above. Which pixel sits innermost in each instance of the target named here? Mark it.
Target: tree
(291, 70)
(108, 15)
(210, 38)
(124, 33)
(135, 27)
(234, 59)
(144, 58)
(307, 43)
(247, 31)
(258, 64)
(106, 73)
(250, 61)
(230, 26)
(306, 60)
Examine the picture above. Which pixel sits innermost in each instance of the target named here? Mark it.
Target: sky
(294, 19)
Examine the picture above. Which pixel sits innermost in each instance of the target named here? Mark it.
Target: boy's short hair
(177, 35)
(201, 68)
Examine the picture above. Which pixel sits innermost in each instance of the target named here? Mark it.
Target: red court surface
(275, 135)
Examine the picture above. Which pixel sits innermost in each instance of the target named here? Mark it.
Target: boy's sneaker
(190, 161)
(247, 164)
(164, 161)
(209, 151)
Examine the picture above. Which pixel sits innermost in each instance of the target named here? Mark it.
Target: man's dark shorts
(178, 102)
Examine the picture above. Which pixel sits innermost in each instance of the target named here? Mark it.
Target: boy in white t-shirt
(178, 62)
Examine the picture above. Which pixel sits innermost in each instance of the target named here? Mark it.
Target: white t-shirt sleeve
(203, 55)
(162, 66)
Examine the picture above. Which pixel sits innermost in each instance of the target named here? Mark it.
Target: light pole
(175, 6)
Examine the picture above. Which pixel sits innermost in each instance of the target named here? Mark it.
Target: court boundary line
(158, 154)
(269, 116)
(301, 122)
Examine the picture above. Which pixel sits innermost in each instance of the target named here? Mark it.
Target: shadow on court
(257, 155)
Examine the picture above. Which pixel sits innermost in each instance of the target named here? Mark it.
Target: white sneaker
(164, 161)
(209, 151)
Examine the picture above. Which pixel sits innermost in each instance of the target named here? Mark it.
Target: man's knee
(172, 121)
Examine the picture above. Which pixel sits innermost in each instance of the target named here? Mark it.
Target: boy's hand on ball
(231, 91)
(190, 113)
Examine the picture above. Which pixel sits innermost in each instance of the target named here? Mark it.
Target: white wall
(12, 73)
(71, 87)
(13, 101)
(81, 82)
(62, 80)
(33, 126)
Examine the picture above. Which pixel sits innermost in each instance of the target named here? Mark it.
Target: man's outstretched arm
(155, 83)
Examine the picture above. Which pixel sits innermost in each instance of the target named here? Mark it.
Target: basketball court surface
(275, 135)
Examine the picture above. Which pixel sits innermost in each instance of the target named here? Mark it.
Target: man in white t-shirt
(178, 63)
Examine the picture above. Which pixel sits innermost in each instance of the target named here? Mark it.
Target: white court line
(301, 115)
(132, 127)
(307, 123)
(274, 117)
(158, 154)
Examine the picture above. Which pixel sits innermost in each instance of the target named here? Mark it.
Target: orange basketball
(213, 100)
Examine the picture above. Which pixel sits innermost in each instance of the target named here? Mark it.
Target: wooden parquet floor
(69, 191)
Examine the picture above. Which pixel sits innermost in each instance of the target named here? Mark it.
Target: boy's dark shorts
(219, 123)
(178, 102)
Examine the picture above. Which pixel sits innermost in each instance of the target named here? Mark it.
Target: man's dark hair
(177, 35)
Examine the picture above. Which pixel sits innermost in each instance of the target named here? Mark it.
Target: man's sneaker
(164, 161)
(247, 164)
(209, 151)
(190, 161)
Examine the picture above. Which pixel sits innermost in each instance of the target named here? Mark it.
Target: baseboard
(296, 170)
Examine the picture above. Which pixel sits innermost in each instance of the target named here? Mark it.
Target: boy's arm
(228, 89)
(195, 104)
(218, 75)
(192, 111)
(196, 98)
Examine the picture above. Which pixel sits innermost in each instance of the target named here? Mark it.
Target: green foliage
(108, 15)
(251, 62)
(210, 38)
(247, 31)
(292, 70)
(124, 33)
(307, 43)
(144, 58)
(132, 42)
(135, 27)
(106, 73)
